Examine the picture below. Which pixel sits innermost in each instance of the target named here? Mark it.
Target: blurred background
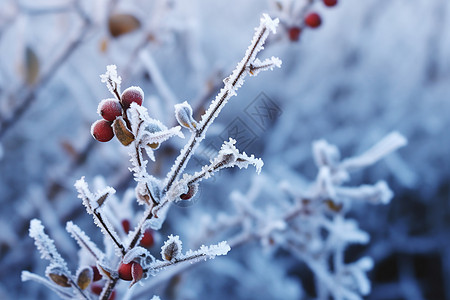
(370, 68)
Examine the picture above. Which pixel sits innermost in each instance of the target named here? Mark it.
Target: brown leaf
(120, 24)
(60, 279)
(121, 131)
(85, 278)
(31, 66)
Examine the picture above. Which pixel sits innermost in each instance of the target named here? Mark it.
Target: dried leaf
(60, 279)
(31, 66)
(120, 24)
(123, 134)
(85, 277)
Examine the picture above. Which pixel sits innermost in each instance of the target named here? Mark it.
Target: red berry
(330, 3)
(97, 290)
(294, 33)
(97, 275)
(132, 94)
(102, 131)
(147, 240)
(131, 271)
(126, 225)
(313, 20)
(109, 109)
(112, 296)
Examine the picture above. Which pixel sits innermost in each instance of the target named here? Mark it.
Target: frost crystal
(46, 245)
(83, 240)
(269, 23)
(111, 79)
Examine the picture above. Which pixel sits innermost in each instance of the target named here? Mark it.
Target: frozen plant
(125, 257)
(296, 15)
(309, 220)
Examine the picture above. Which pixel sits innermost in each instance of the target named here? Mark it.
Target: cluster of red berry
(110, 109)
(311, 20)
(133, 271)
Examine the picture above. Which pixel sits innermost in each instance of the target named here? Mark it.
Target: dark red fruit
(294, 33)
(132, 94)
(97, 275)
(147, 240)
(97, 290)
(131, 271)
(330, 3)
(313, 20)
(192, 190)
(109, 109)
(126, 225)
(102, 131)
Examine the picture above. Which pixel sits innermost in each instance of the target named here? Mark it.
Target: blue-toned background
(372, 67)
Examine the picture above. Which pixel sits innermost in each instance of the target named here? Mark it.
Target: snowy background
(372, 67)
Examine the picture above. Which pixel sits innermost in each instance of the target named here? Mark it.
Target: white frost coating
(347, 231)
(267, 21)
(388, 144)
(379, 193)
(227, 157)
(135, 253)
(46, 245)
(90, 201)
(134, 89)
(83, 240)
(359, 271)
(268, 64)
(111, 79)
(155, 298)
(325, 154)
(211, 251)
(147, 131)
(203, 253)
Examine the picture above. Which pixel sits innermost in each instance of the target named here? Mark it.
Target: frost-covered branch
(125, 118)
(231, 85)
(227, 157)
(93, 205)
(171, 254)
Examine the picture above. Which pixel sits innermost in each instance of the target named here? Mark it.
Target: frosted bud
(183, 113)
(171, 248)
(152, 128)
(191, 191)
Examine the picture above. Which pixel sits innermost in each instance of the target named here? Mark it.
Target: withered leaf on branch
(120, 24)
(60, 279)
(123, 134)
(84, 278)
